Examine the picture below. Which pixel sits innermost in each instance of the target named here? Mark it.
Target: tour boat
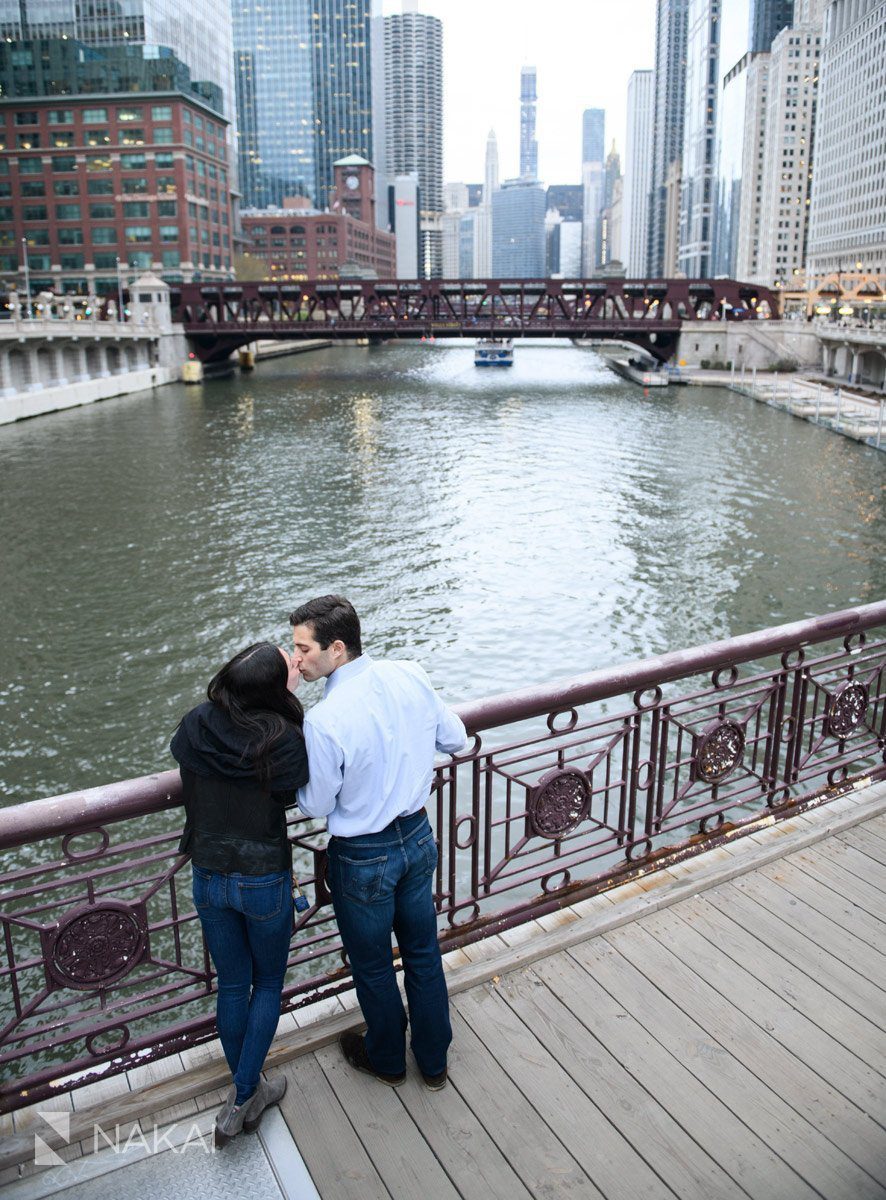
(494, 352)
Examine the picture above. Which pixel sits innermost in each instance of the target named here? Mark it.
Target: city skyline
(583, 60)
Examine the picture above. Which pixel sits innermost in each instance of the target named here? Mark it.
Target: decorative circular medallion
(719, 751)
(847, 709)
(96, 946)
(559, 803)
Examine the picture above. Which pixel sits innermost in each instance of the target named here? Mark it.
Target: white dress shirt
(371, 743)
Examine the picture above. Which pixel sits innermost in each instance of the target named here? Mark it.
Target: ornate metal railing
(564, 789)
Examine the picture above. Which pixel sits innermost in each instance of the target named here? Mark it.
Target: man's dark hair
(332, 618)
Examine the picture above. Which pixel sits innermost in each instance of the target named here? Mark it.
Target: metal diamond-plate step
(189, 1171)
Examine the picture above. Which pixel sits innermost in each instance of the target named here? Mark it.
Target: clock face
(352, 182)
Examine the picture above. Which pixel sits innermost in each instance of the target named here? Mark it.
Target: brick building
(109, 155)
(298, 242)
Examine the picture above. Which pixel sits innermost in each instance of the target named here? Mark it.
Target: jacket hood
(209, 743)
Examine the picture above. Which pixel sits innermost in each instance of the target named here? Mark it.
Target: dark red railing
(564, 790)
(219, 317)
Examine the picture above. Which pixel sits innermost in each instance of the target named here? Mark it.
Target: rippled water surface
(505, 527)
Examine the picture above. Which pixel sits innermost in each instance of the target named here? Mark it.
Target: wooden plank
(596, 1145)
(402, 1157)
(866, 842)
(816, 1159)
(878, 823)
(759, 1172)
(471, 1159)
(828, 871)
(642, 1121)
(334, 1155)
(852, 860)
(827, 1112)
(537, 1156)
(837, 960)
(811, 1023)
(817, 897)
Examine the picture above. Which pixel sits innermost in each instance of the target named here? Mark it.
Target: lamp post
(27, 275)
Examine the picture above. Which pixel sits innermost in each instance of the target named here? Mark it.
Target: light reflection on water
(504, 527)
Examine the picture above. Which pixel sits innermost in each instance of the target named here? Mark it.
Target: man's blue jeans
(247, 923)
(381, 882)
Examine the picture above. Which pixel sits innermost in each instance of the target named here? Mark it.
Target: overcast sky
(584, 52)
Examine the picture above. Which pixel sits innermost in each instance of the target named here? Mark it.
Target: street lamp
(27, 274)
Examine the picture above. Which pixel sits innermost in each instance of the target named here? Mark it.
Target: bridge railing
(563, 790)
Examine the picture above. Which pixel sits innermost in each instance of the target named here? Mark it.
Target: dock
(710, 1030)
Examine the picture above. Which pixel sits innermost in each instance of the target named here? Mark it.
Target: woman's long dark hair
(251, 689)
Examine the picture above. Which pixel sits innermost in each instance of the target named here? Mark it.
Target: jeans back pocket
(360, 878)
(261, 900)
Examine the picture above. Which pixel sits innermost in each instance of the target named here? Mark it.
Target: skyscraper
(518, 230)
(609, 246)
(414, 117)
(667, 125)
(699, 137)
(528, 144)
(592, 152)
(304, 94)
(482, 224)
(773, 249)
(592, 140)
(638, 163)
(747, 28)
(342, 86)
(275, 101)
(847, 225)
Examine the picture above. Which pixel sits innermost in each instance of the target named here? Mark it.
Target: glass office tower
(275, 104)
(342, 86)
(304, 95)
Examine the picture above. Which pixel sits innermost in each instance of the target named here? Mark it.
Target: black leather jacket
(233, 823)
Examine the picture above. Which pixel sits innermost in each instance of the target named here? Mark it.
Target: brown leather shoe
(435, 1083)
(354, 1049)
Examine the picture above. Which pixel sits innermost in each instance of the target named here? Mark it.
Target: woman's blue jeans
(247, 924)
(381, 882)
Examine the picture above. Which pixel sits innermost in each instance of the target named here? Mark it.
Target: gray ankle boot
(230, 1119)
(267, 1093)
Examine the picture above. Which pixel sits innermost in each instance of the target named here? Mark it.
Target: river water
(504, 527)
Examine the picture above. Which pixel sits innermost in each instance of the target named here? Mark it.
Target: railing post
(880, 423)
(818, 404)
(754, 383)
(775, 388)
(839, 407)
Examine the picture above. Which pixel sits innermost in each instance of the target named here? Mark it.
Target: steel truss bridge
(218, 318)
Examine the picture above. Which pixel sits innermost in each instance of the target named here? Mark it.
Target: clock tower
(354, 188)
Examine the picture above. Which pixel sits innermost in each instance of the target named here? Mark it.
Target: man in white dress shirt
(371, 743)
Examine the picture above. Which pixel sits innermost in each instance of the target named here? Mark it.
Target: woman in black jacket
(242, 756)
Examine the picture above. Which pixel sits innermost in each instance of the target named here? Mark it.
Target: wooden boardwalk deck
(710, 1031)
(732, 1044)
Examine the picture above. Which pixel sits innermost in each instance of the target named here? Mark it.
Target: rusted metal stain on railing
(564, 789)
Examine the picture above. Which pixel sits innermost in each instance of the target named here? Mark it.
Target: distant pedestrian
(371, 743)
(242, 756)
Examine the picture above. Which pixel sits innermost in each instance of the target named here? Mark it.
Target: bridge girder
(220, 317)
